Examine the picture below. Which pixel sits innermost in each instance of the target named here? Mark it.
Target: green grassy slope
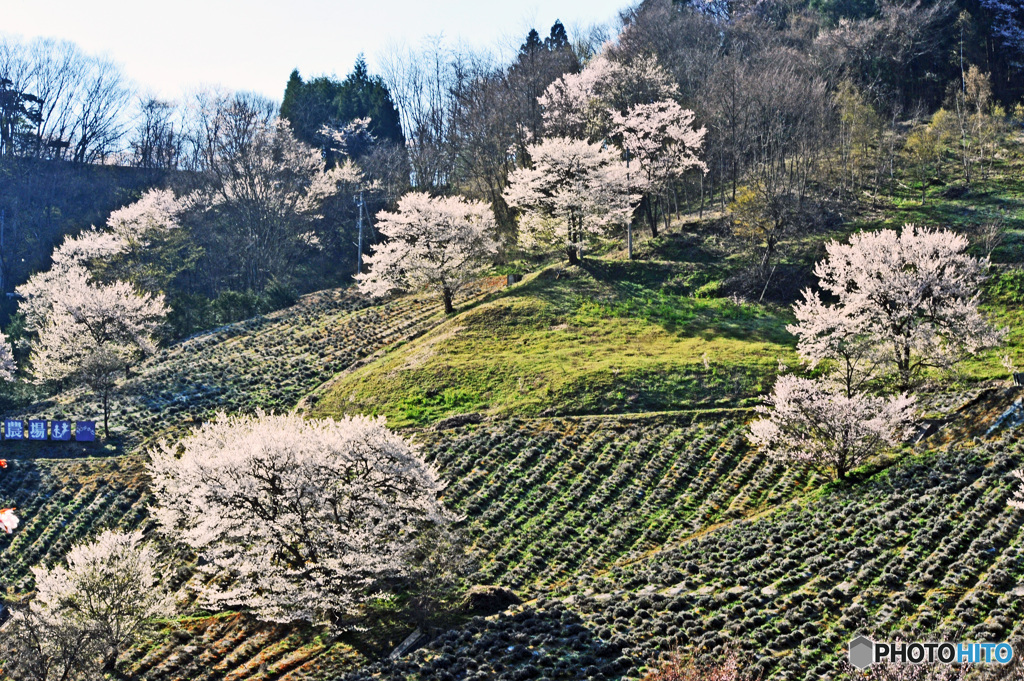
(606, 337)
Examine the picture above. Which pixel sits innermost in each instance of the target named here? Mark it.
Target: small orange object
(3, 463)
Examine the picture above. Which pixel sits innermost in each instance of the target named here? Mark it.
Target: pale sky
(170, 47)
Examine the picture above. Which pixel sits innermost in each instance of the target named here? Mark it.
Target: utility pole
(963, 76)
(359, 259)
(629, 223)
(3, 253)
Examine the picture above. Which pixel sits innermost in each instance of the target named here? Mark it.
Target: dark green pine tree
(362, 96)
(292, 92)
(309, 105)
(558, 39)
(532, 43)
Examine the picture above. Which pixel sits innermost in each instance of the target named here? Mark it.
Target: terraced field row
(232, 647)
(529, 489)
(929, 548)
(927, 544)
(270, 367)
(544, 640)
(584, 507)
(548, 499)
(64, 502)
(61, 503)
(263, 363)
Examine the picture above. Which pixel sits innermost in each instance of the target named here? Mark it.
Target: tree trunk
(106, 411)
(700, 214)
(651, 220)
(769, 251)
(903, 366)
(574, 258)
(110, 669)
(448, 307)
(735, 176)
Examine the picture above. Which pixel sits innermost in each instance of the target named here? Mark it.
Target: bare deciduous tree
(155, 143)
(260, 189)
(422, 83)
(83, 99)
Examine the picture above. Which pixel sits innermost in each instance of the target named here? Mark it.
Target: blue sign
(85, 431)
(14, 430)
(36, 429)
(39, 429)
(60, 430)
